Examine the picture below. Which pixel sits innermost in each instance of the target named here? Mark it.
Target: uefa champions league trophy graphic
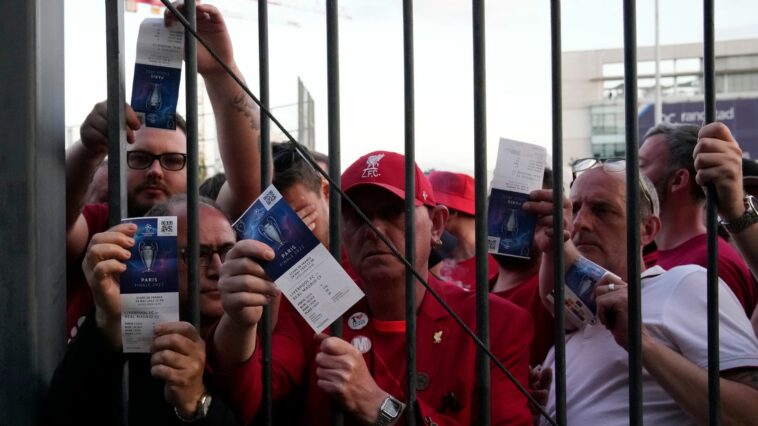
(510, 227)
(270, 229)
(148, 251)
(240, 228)
(155, 99)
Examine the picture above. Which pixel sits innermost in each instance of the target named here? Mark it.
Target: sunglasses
(610, 165)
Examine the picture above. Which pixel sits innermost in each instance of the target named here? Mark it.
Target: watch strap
(201, 409)
(389, 411)
(748, 218)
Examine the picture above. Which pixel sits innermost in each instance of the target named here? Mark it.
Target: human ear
(438, 215)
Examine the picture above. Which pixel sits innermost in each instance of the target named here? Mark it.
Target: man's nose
(155, 170)
(582, 220)
(378, 223)
(212, 271)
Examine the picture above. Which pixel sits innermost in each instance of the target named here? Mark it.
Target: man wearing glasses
(166, 386)
(156, 159)
(674, 332)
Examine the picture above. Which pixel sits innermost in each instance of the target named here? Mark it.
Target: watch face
(391, 407)
(752, 203)
(204, 405)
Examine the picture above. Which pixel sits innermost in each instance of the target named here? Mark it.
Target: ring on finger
(611, 287)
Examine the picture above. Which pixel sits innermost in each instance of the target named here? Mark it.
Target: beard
(136, 208)
(661, 188)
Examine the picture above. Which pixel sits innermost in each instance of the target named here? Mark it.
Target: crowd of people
(213, 374)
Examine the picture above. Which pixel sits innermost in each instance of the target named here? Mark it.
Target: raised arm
(245, 289)
(718, 160)
(237, 117)
(82, 160)
(102, 266)
(541, 204)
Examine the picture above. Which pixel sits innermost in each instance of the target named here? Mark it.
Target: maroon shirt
(527, 296)
(732, 269)
(78, 296)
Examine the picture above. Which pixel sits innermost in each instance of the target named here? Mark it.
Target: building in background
(306, 128)
(593, 94)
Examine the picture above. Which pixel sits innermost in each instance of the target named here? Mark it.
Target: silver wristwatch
(748, 218)
(389, 411)
(201, 409)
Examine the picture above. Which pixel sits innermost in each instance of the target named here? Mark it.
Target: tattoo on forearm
(242, 103)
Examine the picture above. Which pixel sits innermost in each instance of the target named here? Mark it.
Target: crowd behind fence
(116, 127)
(485, 359)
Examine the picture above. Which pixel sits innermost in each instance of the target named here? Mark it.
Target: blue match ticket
(150, 284)
(581, 279)
(303, 269)
(157, 72)
(519, 170)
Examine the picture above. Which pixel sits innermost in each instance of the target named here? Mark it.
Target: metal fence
(117, 136)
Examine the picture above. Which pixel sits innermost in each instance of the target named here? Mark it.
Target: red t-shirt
(463, 272)
(444, 354)
(78, 296)
(732, 269)
(388, 358)
(527, 295)
(650, 255)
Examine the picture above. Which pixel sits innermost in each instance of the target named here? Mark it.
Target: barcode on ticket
(166, 226)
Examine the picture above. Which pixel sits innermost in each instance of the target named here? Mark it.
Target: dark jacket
(87, 388)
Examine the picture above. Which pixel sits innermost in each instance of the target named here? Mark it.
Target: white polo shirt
(674, 311)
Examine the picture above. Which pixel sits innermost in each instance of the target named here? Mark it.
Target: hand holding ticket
(519, 170)
(157, 72)
(302, 268)
(581, 280)
(150, 283)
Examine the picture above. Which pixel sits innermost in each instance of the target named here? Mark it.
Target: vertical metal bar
(301, 112)
(114, 42)
(33, 282)
(558, 266)
(311, 125)
(266, 320)
(410, 211)
(633, 213)
(480, 192)
(193, 221)
(658, 103)
(117, 204)
(333, 123)
(709, 79)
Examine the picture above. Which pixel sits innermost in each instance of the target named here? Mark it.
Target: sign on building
(740, 115)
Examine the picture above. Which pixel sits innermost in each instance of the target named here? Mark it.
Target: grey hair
(681, 140)
(647, 187)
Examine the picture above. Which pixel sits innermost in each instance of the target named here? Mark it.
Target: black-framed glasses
(207, 252)
(140, 160)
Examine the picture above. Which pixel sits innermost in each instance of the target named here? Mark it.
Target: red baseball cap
(386, 170)
(454, 190)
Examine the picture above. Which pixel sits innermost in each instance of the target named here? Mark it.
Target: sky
(371, 63)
